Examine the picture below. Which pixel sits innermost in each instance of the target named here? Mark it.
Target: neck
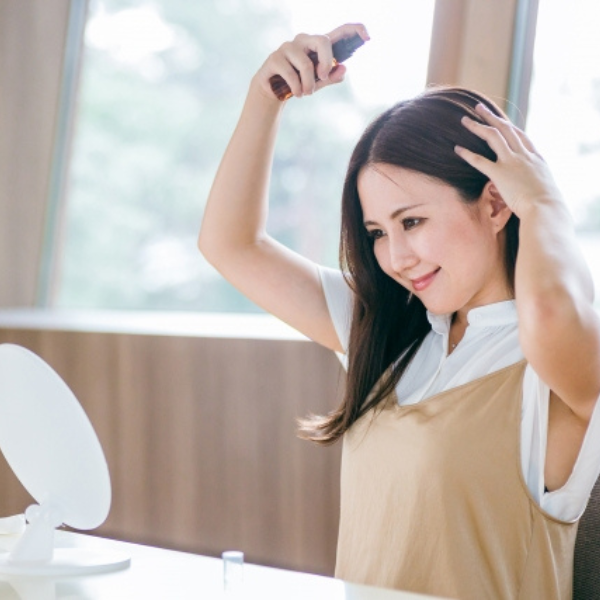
(458, 327)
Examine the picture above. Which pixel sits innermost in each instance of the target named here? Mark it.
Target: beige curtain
(32, 41)
(472, 44)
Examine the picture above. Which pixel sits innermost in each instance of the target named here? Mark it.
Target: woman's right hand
(292, 63)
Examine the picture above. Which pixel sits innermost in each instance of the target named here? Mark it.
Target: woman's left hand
(559, 329)
(520, 174)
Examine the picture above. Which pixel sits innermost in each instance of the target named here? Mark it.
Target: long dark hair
(388, 325)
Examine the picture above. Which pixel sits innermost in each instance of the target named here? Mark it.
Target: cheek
(382, 256)
(461, 238)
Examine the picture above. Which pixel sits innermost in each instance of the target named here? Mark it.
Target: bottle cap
(344, 48)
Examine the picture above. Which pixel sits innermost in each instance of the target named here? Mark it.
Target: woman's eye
(410, 223)
(375, 234)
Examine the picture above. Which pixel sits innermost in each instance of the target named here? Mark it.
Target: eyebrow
(396, 213)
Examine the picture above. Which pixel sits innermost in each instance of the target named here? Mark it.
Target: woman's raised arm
(233, 235)
(559, 327)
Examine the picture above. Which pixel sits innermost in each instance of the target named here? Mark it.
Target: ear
(494, 206)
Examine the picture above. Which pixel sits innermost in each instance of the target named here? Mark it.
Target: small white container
(233, 570)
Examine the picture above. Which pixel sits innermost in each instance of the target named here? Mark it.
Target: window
(162, 86)
(564, 113)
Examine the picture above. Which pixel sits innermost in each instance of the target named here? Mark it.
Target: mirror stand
(36, 545)
(35, 554)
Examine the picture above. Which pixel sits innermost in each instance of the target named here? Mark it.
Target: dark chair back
(586, 566)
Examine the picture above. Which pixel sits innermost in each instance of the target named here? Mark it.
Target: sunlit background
(162, 86)
(564, 114)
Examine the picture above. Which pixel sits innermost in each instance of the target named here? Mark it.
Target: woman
(471, 440)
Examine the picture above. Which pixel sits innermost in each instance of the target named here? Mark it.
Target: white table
(168, 575)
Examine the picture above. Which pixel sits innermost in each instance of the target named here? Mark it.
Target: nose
(402, 256)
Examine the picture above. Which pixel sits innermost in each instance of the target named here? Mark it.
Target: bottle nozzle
(344, 48)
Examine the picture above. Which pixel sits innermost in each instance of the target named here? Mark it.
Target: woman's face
(447, 253)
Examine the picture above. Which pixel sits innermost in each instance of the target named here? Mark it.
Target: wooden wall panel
(200, 437)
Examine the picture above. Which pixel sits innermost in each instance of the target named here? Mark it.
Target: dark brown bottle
(342, 49)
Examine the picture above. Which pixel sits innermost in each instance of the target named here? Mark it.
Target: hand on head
(519, 173)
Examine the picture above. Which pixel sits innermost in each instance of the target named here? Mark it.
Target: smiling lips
(422, 282)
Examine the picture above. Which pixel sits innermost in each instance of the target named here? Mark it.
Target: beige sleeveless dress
(434, 500)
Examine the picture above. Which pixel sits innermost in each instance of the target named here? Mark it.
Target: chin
(439, 308)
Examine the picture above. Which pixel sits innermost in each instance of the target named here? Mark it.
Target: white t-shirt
(490, 343)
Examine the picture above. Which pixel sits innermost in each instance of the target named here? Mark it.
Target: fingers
(518, 171)
(306, 63)
(280, 63)
(499, 135)
(494, 138)
(335, 76)
(292, 62)
(516, 137)
(496, 133)
(527, 143)
(516, 140)
(477, 161)
(321, 45)
(508, 130)
(504, 138)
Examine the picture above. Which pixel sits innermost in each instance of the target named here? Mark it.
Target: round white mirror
(51, 446)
